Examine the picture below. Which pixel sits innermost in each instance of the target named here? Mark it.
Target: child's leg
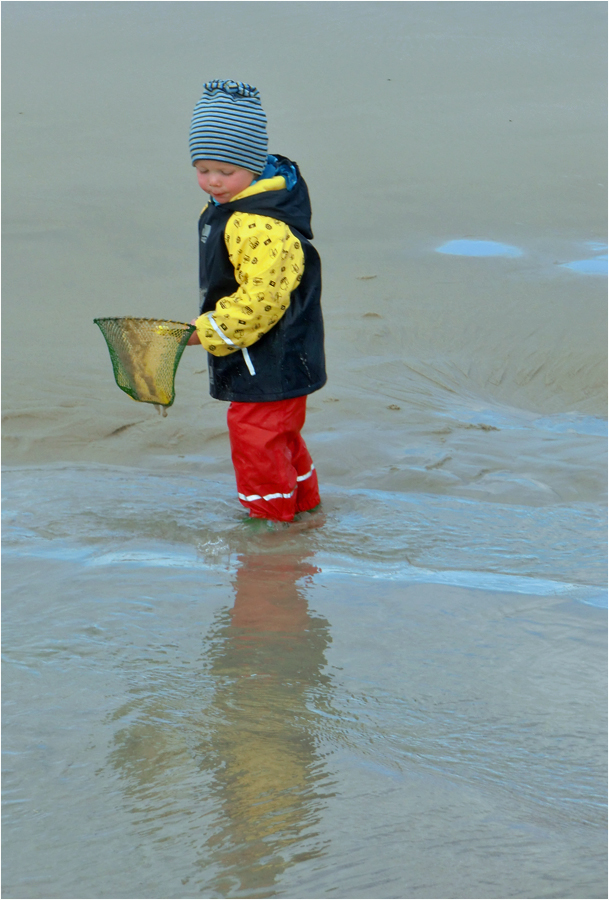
(274, 471)
(307, 488)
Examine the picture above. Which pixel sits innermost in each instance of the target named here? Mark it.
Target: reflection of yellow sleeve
(269, 263)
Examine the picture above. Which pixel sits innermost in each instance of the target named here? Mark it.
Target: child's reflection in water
(267, 657)
(249, 720)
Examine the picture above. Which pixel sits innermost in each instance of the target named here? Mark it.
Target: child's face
(222, 180)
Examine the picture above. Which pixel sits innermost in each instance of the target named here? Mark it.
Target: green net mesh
(145, 354)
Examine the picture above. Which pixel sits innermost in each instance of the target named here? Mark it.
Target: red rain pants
(275, 474)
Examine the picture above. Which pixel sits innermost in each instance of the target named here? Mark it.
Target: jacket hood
(289, 205)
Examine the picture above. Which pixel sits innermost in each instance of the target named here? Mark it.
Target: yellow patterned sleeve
(269, 263)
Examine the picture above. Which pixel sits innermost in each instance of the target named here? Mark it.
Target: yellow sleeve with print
(269, 263)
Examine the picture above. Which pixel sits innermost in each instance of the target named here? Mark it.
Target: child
(260, 313)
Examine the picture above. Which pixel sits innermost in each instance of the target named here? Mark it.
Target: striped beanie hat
(229, 125)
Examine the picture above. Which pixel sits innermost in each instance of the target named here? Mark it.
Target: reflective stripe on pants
(275, 474)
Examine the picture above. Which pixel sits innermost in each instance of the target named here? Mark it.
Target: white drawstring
(244, 350)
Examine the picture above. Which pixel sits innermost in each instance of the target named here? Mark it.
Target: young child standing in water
(260, 312)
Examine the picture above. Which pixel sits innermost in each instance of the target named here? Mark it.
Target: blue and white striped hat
(229, 125)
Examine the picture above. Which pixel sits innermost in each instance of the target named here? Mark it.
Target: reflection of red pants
(275, 474)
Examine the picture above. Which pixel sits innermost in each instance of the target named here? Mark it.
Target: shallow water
(403, 694)
(198, 708)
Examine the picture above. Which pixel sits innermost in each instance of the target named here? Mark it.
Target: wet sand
(403, 696)
(413, 124)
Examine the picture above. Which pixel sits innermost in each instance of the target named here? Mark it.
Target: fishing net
(145, 354)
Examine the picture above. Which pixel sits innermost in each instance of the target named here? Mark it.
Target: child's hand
(194, 337)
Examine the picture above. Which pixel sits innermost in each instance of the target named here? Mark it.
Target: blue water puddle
(478, 248)
(599, 265)
(561, 423)
(596, 265)
(573, 424)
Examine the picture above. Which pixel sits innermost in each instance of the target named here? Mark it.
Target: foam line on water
(128, 523)
(487, 581)
(162, 559)
(343, 567)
